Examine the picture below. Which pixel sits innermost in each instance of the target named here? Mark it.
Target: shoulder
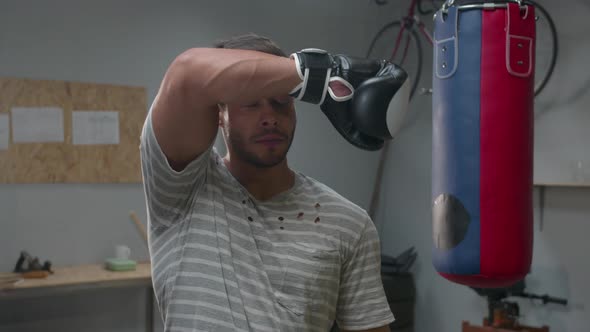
(329, 195)
(332, 203)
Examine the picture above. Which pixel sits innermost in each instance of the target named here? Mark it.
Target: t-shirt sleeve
(169, 194)
(361, 302)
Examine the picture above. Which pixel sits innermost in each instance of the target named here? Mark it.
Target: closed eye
(282, 102)
(252, 105)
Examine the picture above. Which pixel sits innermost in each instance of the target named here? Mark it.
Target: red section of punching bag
(507, 93)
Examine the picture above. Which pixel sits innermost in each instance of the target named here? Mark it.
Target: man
(243, 242)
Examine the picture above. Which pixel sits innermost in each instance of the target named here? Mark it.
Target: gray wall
(562, 115)
(560, 260)
(132, 42)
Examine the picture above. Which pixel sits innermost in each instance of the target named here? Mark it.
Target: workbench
(82, 277)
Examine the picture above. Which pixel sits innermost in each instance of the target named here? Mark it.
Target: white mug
(122, 252)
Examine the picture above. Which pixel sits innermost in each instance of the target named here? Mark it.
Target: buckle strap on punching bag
(446, 55)
(520, 35)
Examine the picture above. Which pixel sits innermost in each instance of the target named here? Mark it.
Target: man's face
(259, 133)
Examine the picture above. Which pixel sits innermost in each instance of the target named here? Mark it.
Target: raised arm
(185, 112)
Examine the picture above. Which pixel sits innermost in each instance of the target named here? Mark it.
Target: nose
(268, 114)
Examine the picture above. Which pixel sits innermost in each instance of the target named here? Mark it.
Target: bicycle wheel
(546, 47)
(408, 54)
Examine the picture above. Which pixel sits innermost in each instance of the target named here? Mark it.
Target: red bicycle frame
(408, 22)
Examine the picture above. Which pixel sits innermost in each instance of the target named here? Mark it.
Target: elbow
(187, 58)
(180, 75)
(202, 72)
(185, 62)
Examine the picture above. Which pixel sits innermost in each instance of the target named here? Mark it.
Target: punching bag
(482, 157)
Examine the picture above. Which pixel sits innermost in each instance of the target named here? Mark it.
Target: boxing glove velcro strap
(314, 67)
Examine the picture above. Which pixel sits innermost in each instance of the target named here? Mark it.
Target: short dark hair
(253, 42)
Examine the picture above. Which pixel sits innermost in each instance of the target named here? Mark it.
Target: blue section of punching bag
(456, 149)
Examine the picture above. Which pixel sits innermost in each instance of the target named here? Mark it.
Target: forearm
(237, 76)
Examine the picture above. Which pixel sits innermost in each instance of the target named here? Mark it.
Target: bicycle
(399, 41)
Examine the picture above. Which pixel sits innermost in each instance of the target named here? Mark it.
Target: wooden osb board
(63, 162)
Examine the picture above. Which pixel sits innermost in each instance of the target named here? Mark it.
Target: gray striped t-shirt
(223, 261)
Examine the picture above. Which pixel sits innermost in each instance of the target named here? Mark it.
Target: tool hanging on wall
(139, 226)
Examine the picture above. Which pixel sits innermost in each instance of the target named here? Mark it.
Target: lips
(270, 140)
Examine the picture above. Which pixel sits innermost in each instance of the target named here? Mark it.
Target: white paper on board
(37, 124)
(95, 127)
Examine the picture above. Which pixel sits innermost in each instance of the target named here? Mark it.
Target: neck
(262, 183)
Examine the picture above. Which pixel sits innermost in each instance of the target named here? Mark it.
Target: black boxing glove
(365, 100)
